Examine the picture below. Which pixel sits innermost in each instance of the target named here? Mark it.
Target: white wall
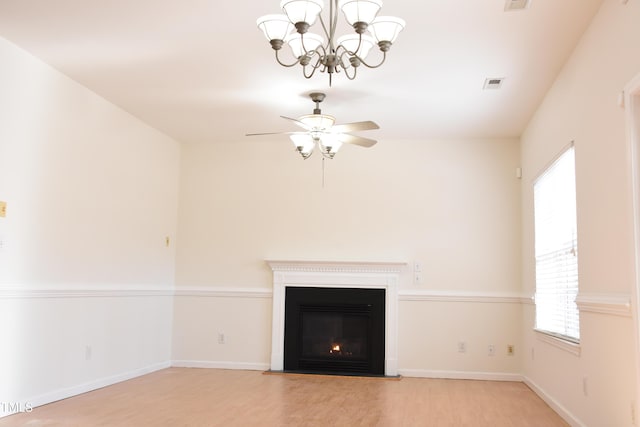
(85, 275)
(582, 106)
(452, 205)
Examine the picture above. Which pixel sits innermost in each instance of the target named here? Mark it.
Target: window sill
(562, 344)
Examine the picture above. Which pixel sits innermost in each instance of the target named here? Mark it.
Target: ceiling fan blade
(356, 140)
(356, 126)
(296, 121)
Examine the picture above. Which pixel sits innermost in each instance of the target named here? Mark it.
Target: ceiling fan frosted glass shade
(303, 142)
(300, 43)
(275, 27)
(386, 28)
(318, 121)
(360, 10)
(330, 143)
(302, 10)
(351, 41)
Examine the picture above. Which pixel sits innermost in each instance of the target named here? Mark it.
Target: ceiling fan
(319, 129)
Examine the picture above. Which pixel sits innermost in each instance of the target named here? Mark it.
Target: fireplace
(380, 276)
(334, 330)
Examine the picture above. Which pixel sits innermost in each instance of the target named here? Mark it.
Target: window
(556, 249)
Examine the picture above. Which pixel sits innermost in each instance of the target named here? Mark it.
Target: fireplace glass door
(334, 330)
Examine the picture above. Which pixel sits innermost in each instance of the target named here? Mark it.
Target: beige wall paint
(583, 106)
(452, 205)
(91, 191)
(91, 194)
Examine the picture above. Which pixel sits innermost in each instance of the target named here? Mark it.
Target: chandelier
(344, 54)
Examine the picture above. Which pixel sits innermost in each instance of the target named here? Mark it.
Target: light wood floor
(211, 397)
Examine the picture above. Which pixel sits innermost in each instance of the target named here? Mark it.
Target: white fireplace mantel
(326, 274)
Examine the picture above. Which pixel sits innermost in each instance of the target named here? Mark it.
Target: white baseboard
(208, 364)
(461, 375)
(561, 410)
(67, 392)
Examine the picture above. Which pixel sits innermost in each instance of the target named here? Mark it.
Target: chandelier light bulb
(304, 44)
(360, 10)
(275, 27)
(386, 28)
(356, 44)
(306, 11)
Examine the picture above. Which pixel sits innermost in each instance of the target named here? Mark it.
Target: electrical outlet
(462, 347)
(3, 209)
(87, 352)
(510, 350)
(492, 350)
(633, 413)
(221, 338)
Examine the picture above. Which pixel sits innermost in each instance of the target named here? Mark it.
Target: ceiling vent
(510, 5)
(493, 83)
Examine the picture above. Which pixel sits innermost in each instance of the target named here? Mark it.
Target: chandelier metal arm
(313, 70)
(384, 57)
(333, 14)
(286, 65)
(346, 73)
(320, 52)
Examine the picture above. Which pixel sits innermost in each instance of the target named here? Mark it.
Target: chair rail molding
(612, 304)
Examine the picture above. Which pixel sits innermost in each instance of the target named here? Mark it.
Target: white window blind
(556, 249)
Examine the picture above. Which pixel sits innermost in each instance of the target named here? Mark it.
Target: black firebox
(334, 330)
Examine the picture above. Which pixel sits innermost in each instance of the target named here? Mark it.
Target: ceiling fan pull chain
(323, 172)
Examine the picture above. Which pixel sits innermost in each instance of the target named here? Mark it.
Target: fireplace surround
(336, 275)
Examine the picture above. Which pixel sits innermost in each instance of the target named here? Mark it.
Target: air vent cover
(493, 83)
(510, 5)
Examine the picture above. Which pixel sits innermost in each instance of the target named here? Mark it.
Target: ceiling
(201, 71)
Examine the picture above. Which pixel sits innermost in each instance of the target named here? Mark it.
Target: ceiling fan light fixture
(360, 10)
(318, 122)
(306, 11)
(275, 27)
(304, 144)
(386, 28)
(330, 144)
(319, 129)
